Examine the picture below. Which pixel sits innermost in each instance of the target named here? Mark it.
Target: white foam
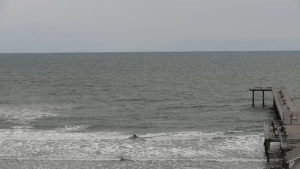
(24, 114)
(32, 134)
(73, 127)
(22, 127)
(183, 135)
(243, 160)
(29, 143)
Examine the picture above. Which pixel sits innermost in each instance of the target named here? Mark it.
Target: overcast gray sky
(148, 25)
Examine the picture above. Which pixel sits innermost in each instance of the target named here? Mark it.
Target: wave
(30, 143)
(24, 114)
(150, 159)
(73, 127)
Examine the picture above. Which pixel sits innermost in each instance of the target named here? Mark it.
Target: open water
(189, 109)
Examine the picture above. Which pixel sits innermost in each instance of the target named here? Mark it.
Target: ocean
(188, 109)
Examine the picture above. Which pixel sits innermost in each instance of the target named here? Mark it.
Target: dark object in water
(133, 137)
(124, 159)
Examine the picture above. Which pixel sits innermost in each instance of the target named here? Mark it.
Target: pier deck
(286, 107)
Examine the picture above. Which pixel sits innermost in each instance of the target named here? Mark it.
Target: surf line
(146, 159)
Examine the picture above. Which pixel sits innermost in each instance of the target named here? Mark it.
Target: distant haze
(148, 25)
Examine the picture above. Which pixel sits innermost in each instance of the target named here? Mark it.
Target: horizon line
(154, 51)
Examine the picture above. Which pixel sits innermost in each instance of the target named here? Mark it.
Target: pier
(285, 130)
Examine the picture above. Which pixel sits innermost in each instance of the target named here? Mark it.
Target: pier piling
(263, 98)
(253, 99)
(267, 149)
(263, 89)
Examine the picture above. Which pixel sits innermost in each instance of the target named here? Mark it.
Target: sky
(45, 26)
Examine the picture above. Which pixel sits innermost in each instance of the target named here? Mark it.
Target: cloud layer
(135, 25)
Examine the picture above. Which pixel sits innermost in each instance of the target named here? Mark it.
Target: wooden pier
(286, 130)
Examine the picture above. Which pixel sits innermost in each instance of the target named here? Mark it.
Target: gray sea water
(190, 109)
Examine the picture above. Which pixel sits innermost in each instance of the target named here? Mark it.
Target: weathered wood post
(253, 98)
(267, 149)
(284, 154)
(263, 98)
